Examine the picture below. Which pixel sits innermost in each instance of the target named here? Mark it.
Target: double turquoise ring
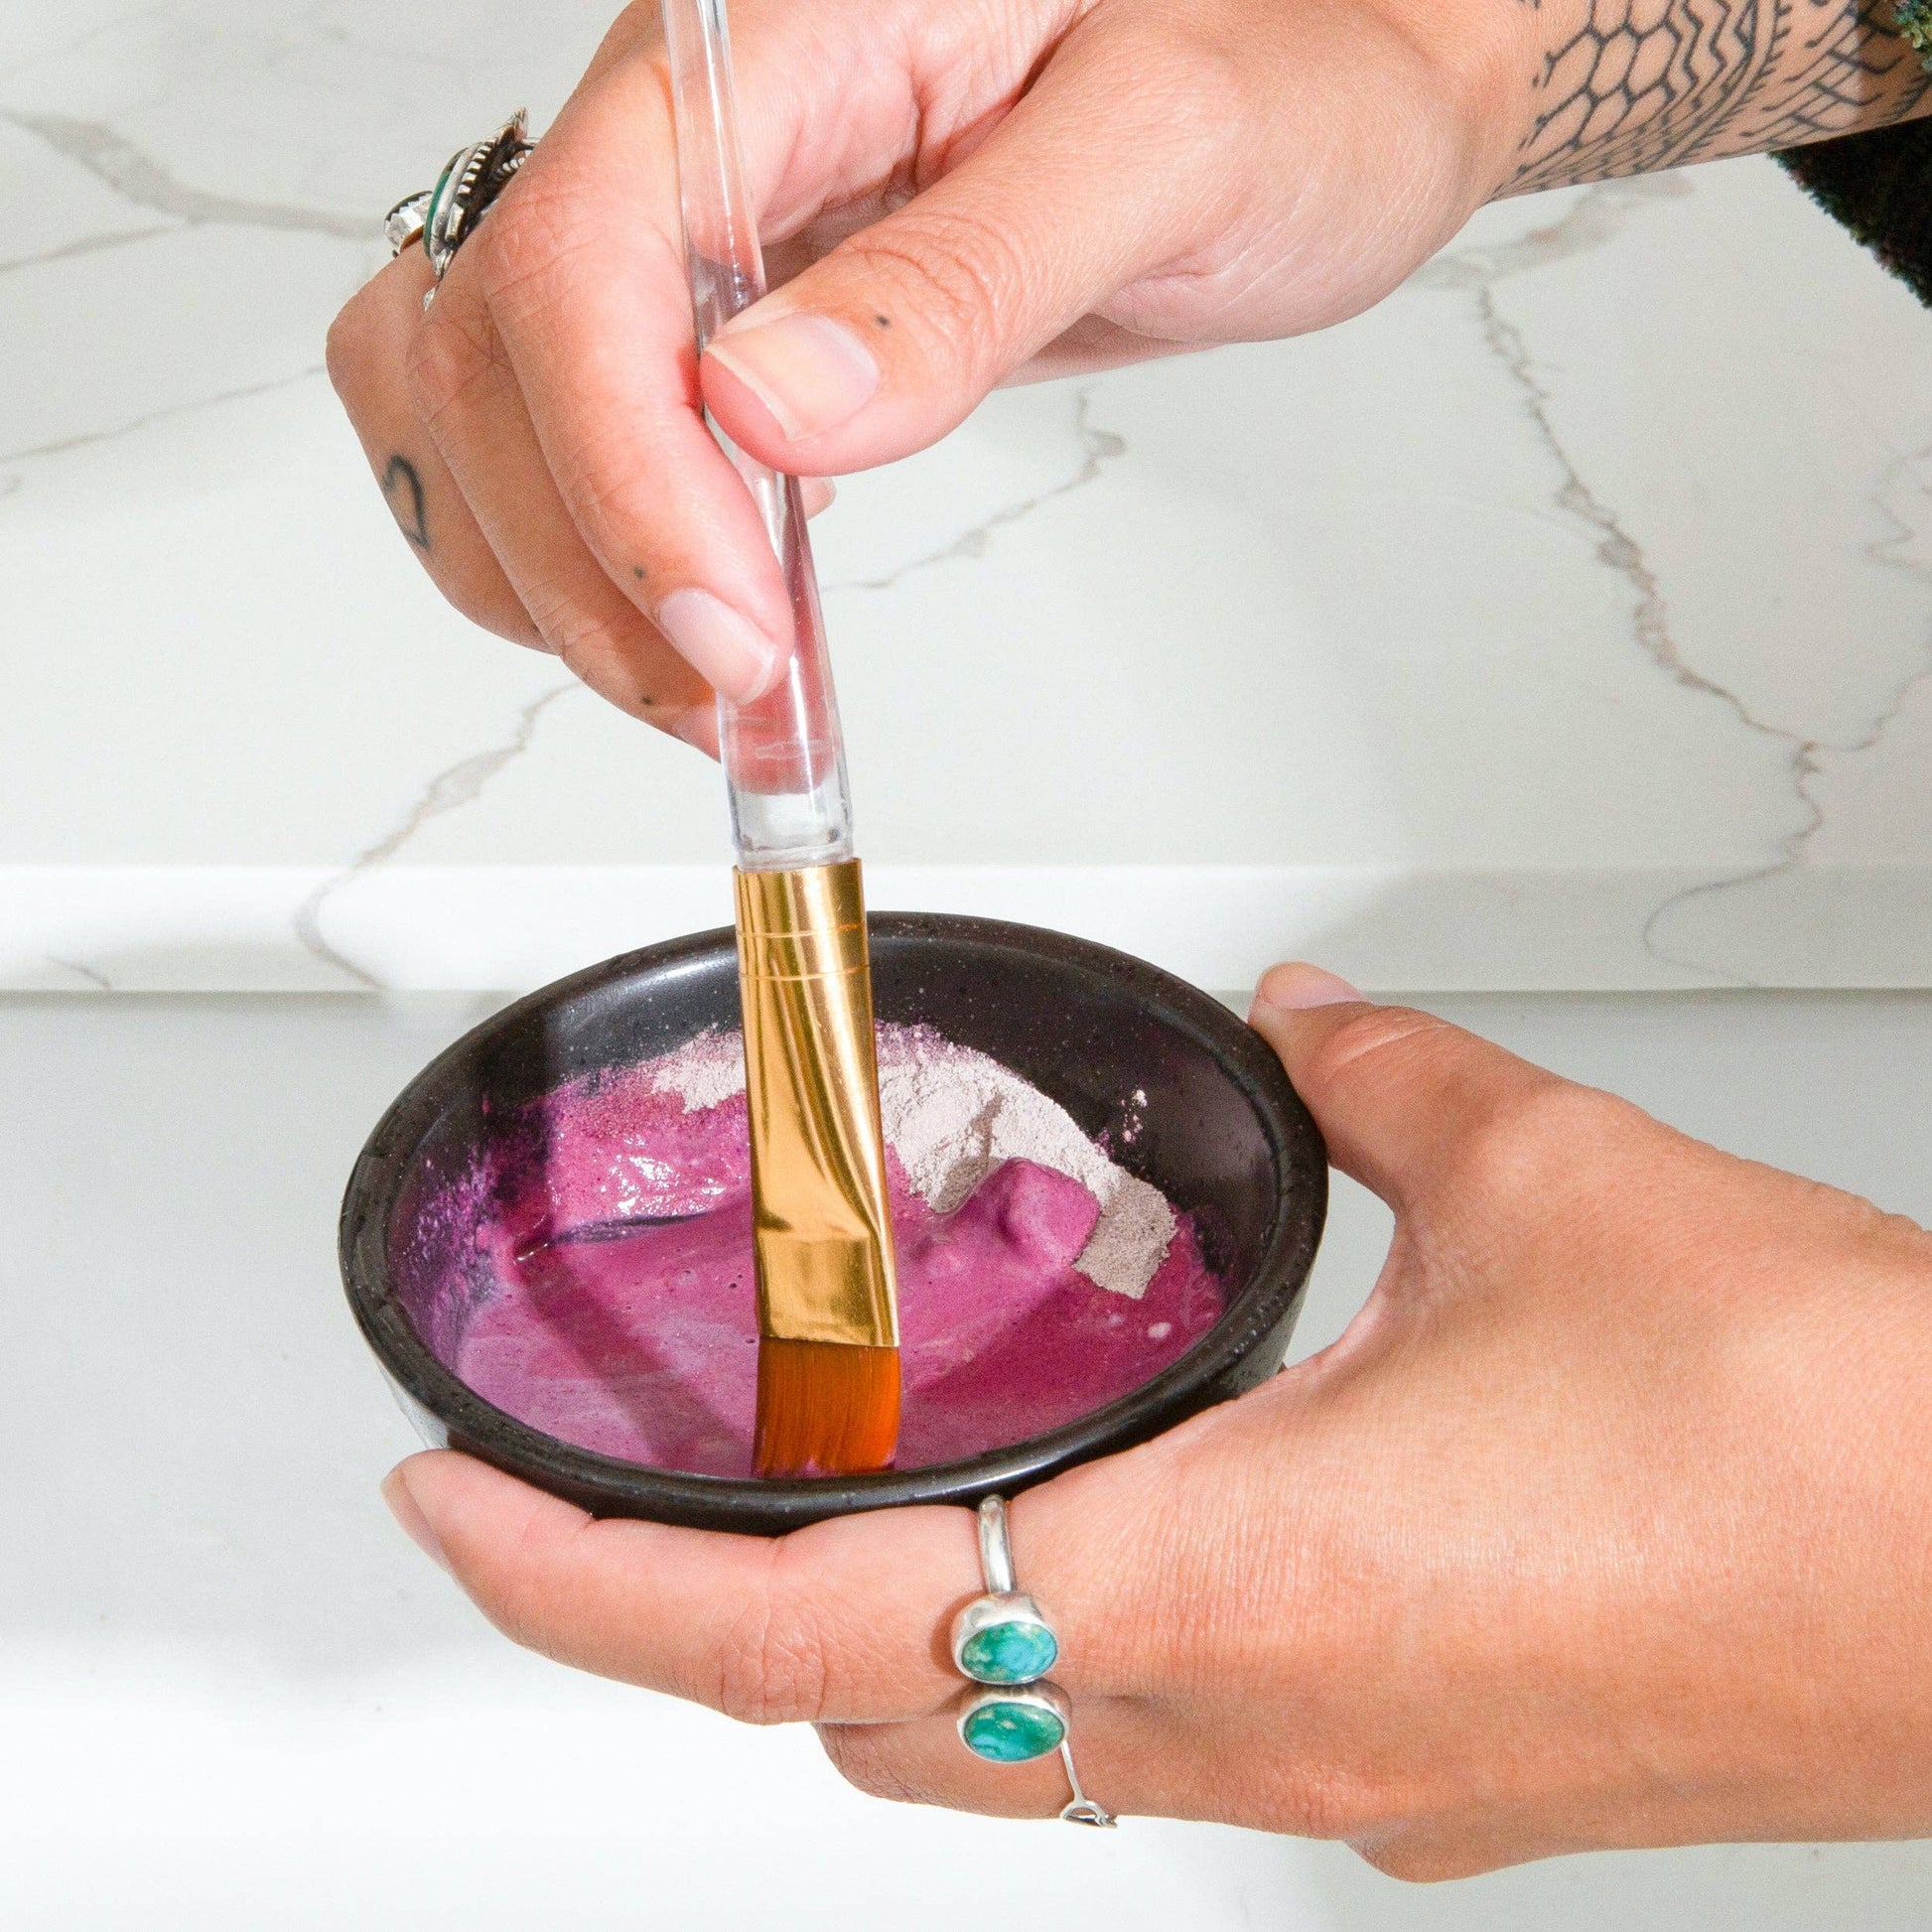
(1004, 1643)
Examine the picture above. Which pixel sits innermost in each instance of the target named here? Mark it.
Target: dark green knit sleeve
(1879, 185)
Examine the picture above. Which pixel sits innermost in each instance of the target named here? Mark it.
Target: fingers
(900, 330)
(368, 353)
(474, 499)
(576, 286)
(1402, 1099)
(847, 1619)
(461, 376)
(556, 372)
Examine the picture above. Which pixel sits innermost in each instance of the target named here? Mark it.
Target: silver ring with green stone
(465, 190)
(1014, 1724)
(1002, 1638)
(442, 217)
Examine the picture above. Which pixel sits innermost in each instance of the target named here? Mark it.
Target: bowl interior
(1186, 1097)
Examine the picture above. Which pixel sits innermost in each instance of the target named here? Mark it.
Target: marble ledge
(509, 929)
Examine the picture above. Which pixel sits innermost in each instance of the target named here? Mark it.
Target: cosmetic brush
(828, 1391)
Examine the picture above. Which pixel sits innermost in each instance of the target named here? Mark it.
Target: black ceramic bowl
(1223, 1135)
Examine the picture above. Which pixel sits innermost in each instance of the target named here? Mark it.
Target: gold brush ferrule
(821, 1232)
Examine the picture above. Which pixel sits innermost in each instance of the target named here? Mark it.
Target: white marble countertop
(1565, 622)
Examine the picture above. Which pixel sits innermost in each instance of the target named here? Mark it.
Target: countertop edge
(491, 929)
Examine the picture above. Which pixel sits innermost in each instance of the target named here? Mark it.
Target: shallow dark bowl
(1222, 1134)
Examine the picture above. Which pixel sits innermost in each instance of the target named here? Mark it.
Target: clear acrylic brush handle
(783, 759)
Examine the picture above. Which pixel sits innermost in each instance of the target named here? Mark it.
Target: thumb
(1402, 1099)
(897, 335)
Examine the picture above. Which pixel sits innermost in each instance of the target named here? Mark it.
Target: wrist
(1810, 1493)
(1485, 57)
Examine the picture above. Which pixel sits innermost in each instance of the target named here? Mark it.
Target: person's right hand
(963, 192)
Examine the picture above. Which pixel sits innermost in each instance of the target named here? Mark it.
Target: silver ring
(443, 218)
(1004, 1643)
(1002, 1638)
(403, 223)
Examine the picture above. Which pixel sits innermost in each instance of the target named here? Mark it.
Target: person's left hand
(1606, 1522)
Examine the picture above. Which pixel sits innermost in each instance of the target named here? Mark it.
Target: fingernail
(810, 371)
(818, 494)
(725, 649)
(1294, 987)
(415, 1525)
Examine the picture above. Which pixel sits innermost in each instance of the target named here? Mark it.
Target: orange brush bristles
(825, 1408)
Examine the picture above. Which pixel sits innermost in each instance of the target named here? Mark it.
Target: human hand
(961, 192)
(1605, 1523)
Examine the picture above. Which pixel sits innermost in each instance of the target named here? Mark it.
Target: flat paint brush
(828, 1320)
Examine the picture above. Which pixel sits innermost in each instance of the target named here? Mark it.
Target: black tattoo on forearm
(1643, 85)
(404, 489)
(1852, 70)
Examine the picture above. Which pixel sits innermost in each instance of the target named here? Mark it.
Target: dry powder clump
(703, 1072)
(952, 1115)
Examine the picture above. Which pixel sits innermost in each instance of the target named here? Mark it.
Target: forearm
(1629, 87)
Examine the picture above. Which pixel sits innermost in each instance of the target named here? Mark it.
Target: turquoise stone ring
(442, 217)
(1005, 1644)
(1012, 1727)
(1002, 1638)
(473, 180)
(1007, 1649)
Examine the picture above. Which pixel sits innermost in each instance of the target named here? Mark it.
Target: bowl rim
(611, 1487)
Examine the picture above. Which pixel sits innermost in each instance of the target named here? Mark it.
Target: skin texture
(957, 194)
(1605, 1523)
